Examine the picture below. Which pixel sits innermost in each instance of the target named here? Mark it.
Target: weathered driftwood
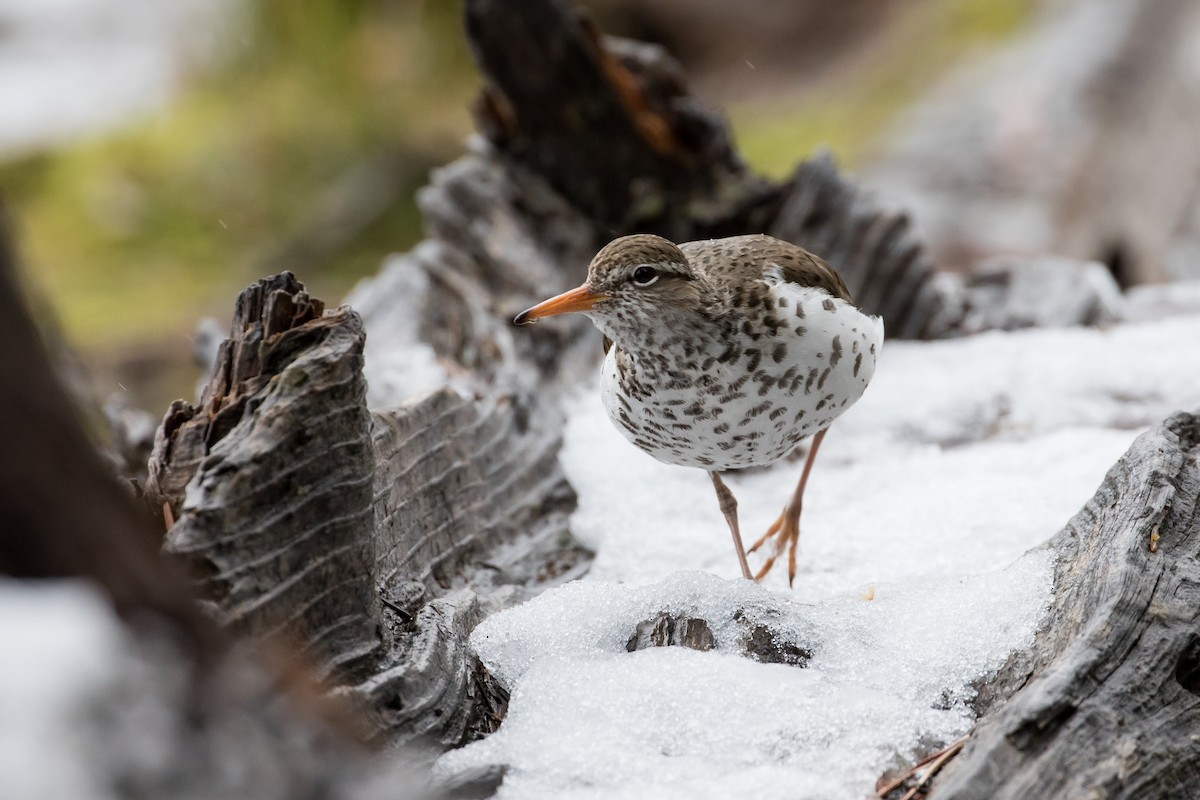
(177, 709)
(188, 433)
(1107, 703)
(374, 539)
(279, 454)
(616, 134)
(312, 521)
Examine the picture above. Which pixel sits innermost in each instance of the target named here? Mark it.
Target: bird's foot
(786, 531)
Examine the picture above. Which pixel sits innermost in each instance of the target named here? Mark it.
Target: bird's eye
(644, 276)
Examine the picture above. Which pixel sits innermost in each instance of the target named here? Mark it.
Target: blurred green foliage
(850, 111)
(134, 234)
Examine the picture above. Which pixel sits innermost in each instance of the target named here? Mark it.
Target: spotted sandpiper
(724, 354)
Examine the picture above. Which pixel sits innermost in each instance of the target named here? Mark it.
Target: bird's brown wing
(746, 258)
(802, 267)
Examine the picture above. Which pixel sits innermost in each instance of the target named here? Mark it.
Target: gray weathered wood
(276, 516)
(375, 538)
(352, 536)
(1107, 703)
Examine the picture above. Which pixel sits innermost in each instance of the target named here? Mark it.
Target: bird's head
(634, 283)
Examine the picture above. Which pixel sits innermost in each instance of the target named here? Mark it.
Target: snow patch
(874, 509)
(1015, 385)
(398, 364)
(60, 648)
(961, 457)
(588, 719)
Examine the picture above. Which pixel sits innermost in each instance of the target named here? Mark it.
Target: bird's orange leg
(729, 509)
(786, 529)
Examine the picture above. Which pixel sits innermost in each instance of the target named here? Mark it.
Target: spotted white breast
(747, 401)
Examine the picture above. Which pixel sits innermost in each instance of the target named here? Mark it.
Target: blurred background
(157, 157)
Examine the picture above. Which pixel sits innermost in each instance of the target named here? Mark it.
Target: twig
(935, 761)
(407, 617)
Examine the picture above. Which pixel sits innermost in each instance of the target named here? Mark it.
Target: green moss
(135, 235)
(848, 112)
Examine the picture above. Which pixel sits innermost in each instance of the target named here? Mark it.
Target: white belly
(756, 408)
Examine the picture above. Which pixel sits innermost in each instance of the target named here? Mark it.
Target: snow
(588, 719)
(70, 67)
(1033, 381)
(916, 575)
(60, 649)
(398, 363)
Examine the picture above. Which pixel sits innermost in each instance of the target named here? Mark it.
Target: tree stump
(1107, 704)
(374, 535)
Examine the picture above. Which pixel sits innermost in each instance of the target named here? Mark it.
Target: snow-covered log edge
(1109, 697)
(505, 229)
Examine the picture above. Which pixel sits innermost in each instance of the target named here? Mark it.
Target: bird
(725, 354)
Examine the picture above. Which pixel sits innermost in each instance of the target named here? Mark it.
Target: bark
(281, 453)
(372, 537)
(1106, 701)
(348, 536)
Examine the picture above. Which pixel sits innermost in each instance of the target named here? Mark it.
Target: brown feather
(749, 257)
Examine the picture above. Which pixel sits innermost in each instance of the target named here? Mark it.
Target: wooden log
(276, 516)
(1107, 702)
(349, 536)
(456, 478)
(168, 705)
(611, 127)
(269, 308)
(375, 538)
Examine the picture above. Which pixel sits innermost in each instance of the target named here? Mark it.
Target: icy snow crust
(587, 719)
(961, 457)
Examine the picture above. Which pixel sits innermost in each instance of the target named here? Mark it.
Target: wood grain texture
(276, 518)
(486, 475)
(611, 127)
(875, 250)
(471, 514)
(367, 543)
(1107, 703)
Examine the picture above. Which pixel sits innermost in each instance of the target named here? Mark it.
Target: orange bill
(580, 299)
